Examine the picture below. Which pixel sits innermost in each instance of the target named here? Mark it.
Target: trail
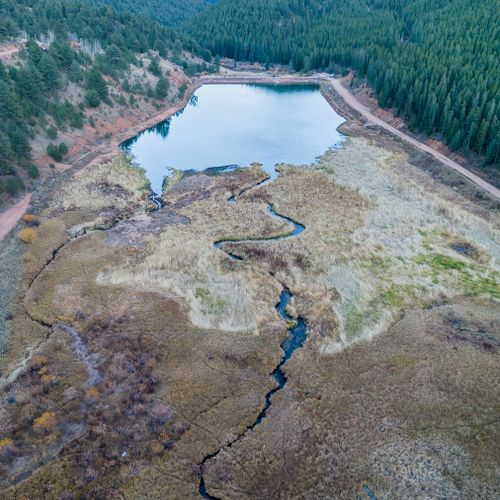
(10, 217)
(353, 102)
(9, 52)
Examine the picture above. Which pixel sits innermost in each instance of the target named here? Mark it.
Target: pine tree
(162, 87)
(96, 82)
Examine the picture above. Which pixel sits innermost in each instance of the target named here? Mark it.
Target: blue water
(297, 335)
(238, 125)
(297, 229)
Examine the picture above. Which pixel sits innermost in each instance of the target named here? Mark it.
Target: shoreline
(101, 151)
(354, 105)
(341, 100)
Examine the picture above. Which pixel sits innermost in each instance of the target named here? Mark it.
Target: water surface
(237, 125)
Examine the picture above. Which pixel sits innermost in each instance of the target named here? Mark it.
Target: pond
(227, 125)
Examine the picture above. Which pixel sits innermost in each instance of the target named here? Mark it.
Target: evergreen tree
(96, 82)
(154, 66)
(49, 71)
(162, 87)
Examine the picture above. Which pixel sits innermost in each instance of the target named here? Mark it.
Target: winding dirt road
(364, 111)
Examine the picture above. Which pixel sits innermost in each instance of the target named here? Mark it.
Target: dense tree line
(169, 13)
(130, 32)
(30, 92)
(435, 61)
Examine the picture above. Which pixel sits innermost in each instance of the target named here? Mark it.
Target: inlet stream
(297, 329)
(296, 337)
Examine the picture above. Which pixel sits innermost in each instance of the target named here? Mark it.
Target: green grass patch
(470, 278)
(444, 263)
(481, 285)
(210, 304)
(397, 296)
(353, 321)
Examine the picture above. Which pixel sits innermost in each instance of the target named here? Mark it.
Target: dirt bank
(89, 150)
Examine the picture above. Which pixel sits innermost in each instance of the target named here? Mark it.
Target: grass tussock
(27, 235)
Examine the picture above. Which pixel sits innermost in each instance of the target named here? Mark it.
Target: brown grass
(30, 218)
(27, 235)
(184, 338)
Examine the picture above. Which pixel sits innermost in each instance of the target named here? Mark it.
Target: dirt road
(8, 52)
(10, 217)
(364, 111)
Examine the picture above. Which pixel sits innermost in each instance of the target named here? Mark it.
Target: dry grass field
(135, 348)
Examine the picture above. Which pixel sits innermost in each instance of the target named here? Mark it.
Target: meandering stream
(297, 332)
(240, 124)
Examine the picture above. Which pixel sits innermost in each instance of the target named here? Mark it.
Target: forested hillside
(68, 54)
(435, 61)
(169, 13)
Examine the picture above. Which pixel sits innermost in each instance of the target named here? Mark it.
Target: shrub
(162, 88)
(182, 90)
(38, 361)
(32, 171)
(27, 235)
(5, 442)
(52, 133)
(45, 422)
(57, 152)
(30, 218)
(6, 449)
(92, 99)
(13, 185)
(47, 378)
(63, 149)
(53, 152)
(154, 66)
(120, 99)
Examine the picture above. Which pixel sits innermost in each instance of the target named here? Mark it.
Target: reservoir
(236, 125)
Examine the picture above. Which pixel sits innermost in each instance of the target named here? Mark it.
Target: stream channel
(223, 127)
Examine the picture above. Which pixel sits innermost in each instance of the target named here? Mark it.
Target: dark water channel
(295, 339)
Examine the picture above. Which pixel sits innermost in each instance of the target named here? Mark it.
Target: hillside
(399, 46)
(68, 70)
